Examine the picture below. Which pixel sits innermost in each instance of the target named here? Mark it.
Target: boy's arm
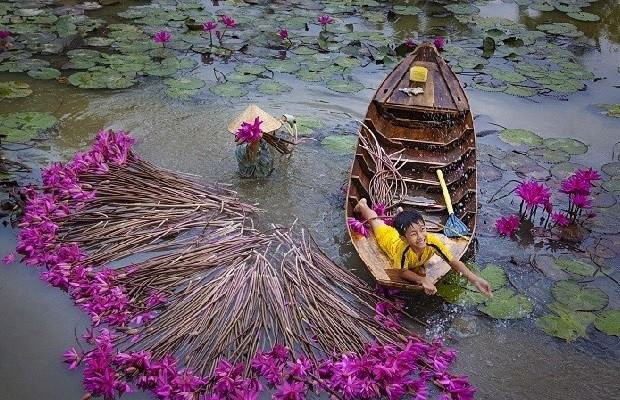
(481, 284)
(429, 287)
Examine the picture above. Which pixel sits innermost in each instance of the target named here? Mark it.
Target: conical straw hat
(248, 115)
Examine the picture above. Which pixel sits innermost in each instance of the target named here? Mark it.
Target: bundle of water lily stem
(189, 301)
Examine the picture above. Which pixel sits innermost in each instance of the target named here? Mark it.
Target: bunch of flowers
(94, 290)
(249, 132)
(536, 197)
(229, 23)
(383, 371)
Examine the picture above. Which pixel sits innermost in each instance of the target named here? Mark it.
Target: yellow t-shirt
(390, 242)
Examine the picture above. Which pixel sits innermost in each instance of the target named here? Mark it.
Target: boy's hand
(429, 287)
(483, 286)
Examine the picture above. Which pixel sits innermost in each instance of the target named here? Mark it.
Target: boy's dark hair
(405, 219)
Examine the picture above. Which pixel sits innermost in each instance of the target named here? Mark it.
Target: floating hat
(248, 115)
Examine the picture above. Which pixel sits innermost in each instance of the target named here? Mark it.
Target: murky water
(505, 360)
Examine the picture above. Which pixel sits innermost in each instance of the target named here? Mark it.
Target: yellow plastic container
(418, 74)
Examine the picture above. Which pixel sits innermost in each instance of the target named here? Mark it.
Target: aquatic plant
(162, 37)
(229, 23)
(209, 26)
(439, 43)
(325, 20)
(5, 34)
(249, 132)
(535, 196)
(410, 43)
(507, 225)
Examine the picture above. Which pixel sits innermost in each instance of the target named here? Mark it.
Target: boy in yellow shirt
(409, 247)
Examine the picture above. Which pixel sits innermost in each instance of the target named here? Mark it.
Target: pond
(181, 125)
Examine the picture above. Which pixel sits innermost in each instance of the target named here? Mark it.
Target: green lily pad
(344, 86)
(253, 69)
(272, 87)
(612, 168)
(185, 83)
(462, 9)
(340, 144)
(494, 274)
(612, 110)
(229, 89)
(303, 51)
(561, 29)
(240, 78)
(181, 93)
(566, 86)
(99, 41)
(566, 324)
(608, 322)
(520, 136)
(575, 266)
(567, 145)
(531, 70)
(612, 185)
(565, 169)
(347, 62)
(549, 155)
(14, 89)
(584, 16)
(307, 125)
(544, 7)
(287, 66)
(44, 73)
(505, 304)
(579, 298)
(102, 79)
(507, 76)
(21, 127)
(407, 10)
(520, 91)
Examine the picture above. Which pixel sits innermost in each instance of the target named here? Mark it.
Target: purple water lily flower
(162, 37)
(283, 33)
(249, 133)
(325, 20)
(5, 34)
(229, 22)
(507, 225)
(439, 43)
(560, 219)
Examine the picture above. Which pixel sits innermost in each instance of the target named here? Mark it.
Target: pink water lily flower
(283, 33)
(209, 26)
(357, 226)
(582, 201)
(533, 193)
(324, 20)
(560, 219)
(162, 37)
(249, 133)
(439, 42)
(507, 225)
(575, 184)
(228, 21)
(8, 259)
(5, 34)
(588, 175)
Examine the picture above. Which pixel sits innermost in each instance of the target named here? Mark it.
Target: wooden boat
(432, 130)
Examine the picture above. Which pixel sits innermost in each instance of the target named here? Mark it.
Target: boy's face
(415, 236)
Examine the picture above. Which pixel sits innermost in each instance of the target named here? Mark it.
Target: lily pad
(272, 87)
(575, 266)
(185, 83)
(584, 16)
(241, 78)
(520, 91)
(520, 136)
(565, 323)
(567, 145)
(612, 168)
(340, 144)
(14, 89)
(229, 89)
(579, 298)
(565, 169)
(307, 125)
(612, 110)
(24, 126)
(608, 322)
(253, 69)
(344, 86)
(288, 66)
(566, 86)
(407, 10)
(505, 304)
(44, 73)
(549, 155)
(495, 275)
(612, 185)
(462, 9)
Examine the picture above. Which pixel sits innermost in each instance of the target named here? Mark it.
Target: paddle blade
(455, 227)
